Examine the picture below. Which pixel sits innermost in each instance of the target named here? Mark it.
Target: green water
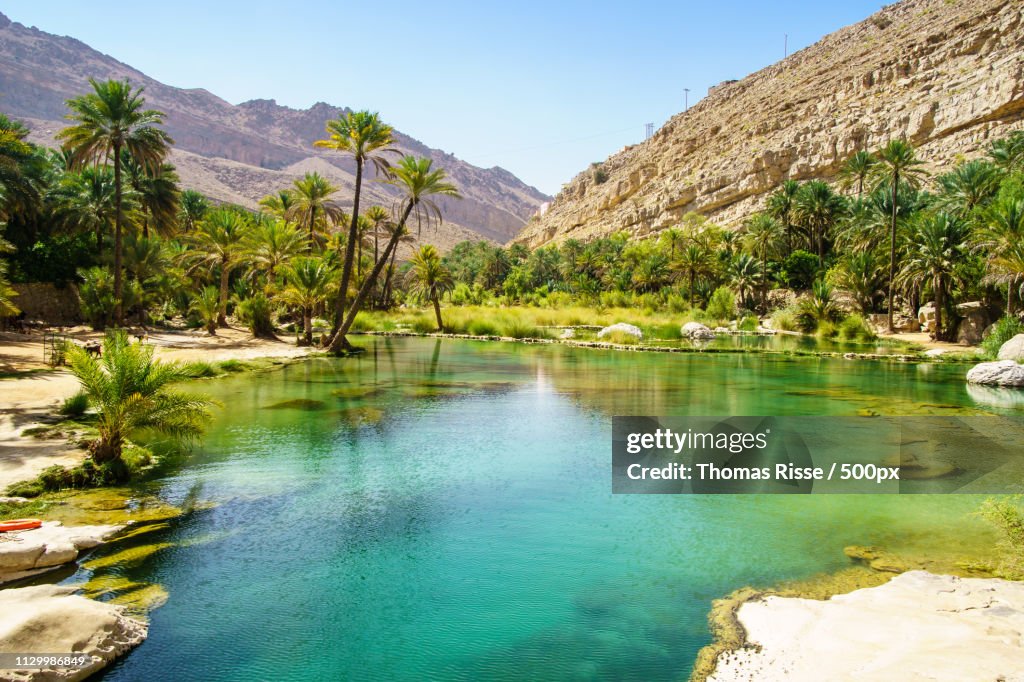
(439, 509)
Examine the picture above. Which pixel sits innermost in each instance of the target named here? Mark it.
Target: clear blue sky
(539, 88)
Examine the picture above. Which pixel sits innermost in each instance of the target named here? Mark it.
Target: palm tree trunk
(385, 298)
(892, 251)
(222, 316)
(312, 228)
(1009, 297)
(307, 325)
(118, 284)
(692, 276)
(339, 343)
(346, 268)
(764, 278)
(938, 302)
(437, 312)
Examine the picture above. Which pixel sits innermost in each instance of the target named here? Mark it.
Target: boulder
(53, 619)
(696, 330)
(780, 298)
(926, 317)
(568, 334)
(973, 323)
(999, 373)
(1013, 349)
(30, 552)
(935, 352)
(622, 327)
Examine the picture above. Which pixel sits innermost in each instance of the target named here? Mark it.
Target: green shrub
(482, 328)
(747, 324)
(97, 296)
(256, 312)
(232, 366)
(620, 337)
(722, 306)
(200, 370)
(1002, 331)
(75, 406)
(827, 329)
(424, 324)
(1007, 516)
(817, 308)
(799, 270)
(520, 329)
(856, 328)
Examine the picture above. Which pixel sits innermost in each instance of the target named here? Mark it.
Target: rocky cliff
(948, 75)
(241, 153)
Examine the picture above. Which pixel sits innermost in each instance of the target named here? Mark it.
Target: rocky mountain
(241, 153)
(948, 75)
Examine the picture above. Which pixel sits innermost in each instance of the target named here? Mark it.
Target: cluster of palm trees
(175, 250)
(884, 231)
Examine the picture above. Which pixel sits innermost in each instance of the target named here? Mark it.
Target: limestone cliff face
(242, 152)
(948, 75)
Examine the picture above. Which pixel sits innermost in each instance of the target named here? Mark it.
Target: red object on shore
(20, 524)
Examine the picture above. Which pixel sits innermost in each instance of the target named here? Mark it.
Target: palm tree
(281, 204)
(744, 273)
(146, 258)
(378, 215)
(935, 248)
(781, 204)
(21, 171)
(364, 226)
(272, 243)
(310, 281)
(157, 192)
(861, 272)
(897, 162)
(110, 120)
(857, 170)
(762, 235)
(1001, 238)
(206, 305)
(694, 262)
(418, 182)
(818, 209)
(968, 186)
(192, 206)
(219, 243)
(130, 391)
(430, 279)
(1008, 152)
(87, 201)
(363, 135)
(673, 238)
(311, 205)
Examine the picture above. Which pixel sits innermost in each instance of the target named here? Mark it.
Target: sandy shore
(918, 626)
(30, 397)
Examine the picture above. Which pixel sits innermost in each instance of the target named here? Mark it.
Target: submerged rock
(696, 330)
(916, 626)
(52, 619)
(998, 373)
(31, 552)
(1013, 349)
(622, 328)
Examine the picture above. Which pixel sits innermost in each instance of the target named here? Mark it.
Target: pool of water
(441, 509)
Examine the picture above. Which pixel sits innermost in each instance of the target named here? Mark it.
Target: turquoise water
(439, 509)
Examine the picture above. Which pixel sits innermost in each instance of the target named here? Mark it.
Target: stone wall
(47, 303)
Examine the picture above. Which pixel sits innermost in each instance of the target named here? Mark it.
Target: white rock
(630, 329)
(935, 352)
(918, 626)
(568, 334)
(999, 373)
(696, 330)
(1013, 349)
(26, 552)
(52, 619)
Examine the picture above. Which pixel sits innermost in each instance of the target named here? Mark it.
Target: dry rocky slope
(241, 153)
(948, 75)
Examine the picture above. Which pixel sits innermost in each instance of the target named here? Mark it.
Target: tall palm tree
(419, 183)
(310, 281)
(220, 242)
(130, 391)
(21, 170)
(781, 204)
(818, 209)
(312, 206)
(107, 121)
(694, 262)
(762, 234)
(897, 162)
(378, 215)
(430, 279)
(673, 238)
(192, 206)
(367, 138)
(271, 244)
(1000, 238)
(280, 204)
(935, 247)
(744, 274)
(857, 170)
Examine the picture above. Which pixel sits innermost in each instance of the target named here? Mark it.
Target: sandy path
(30, 399)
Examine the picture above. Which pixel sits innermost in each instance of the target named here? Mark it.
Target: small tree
(130, 390)
(430, 278)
